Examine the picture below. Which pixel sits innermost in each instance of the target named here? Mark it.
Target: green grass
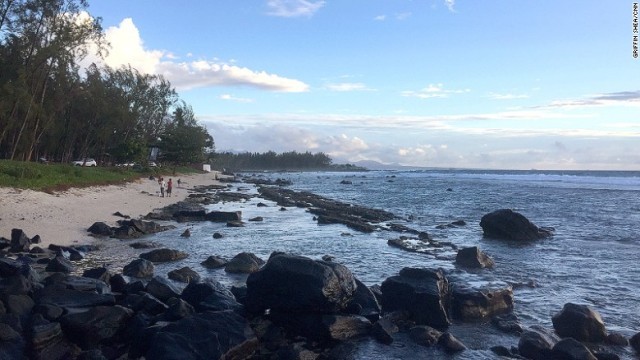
(59, 177)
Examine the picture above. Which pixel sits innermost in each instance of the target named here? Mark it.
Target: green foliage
(184, 141)
(272, 161)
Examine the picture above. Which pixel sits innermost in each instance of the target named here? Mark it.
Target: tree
(184, 141)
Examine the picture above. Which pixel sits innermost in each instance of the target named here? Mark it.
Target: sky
(497, 84)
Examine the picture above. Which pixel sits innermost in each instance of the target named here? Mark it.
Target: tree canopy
(51, 107)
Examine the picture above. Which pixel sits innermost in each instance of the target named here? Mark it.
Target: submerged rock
(473, 257)
(510, 225)
(481, 301)
(164, 255)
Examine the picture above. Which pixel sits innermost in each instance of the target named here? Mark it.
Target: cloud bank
(127, 48)
(293, 8)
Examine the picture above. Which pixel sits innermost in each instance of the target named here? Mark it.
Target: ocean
(592, 259)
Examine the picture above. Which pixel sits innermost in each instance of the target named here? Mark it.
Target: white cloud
(127, 48)
(496, 96)
(403, 16)
(433, 91)
(450, 4)
(380, 18)
(229, 97)
(293, 8)
(344, 87)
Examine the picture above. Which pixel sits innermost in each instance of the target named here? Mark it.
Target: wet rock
(185, 275)
(222, 334)
(49, 312)
(209, 295)
(257, 219)
(48, 342)
(450, 343)
(508, 323)
(224, 216)
(618, 339)
(98, 324)
(423, 293)
(364, 303)
(139, 268)
(20, 305)
(11, 343)
(235, 224)
(69, 298)
(343, 328)
(162, 288)
(473, 257)
(383, 330)
(59, 264)
(101, 229)
(580, 322)
(178, 309)
(214, 262)
(20, 242)
(635, 342)
(571, 349)
(217, 235)
(186, 233)
(144, 302)
(509, 225)
(289, 283)
(480, 301)
(424, 335)
(143, 245)
(260, 204)
(164, 255)
(79, 283)
(100, 273)
(536, 344)
(245, 263)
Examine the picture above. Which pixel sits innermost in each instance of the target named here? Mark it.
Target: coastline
(63, 218)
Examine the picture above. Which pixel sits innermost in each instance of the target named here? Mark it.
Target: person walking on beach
(162, 186)
(169, 187)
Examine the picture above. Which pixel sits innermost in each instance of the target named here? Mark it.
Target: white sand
(63, 218)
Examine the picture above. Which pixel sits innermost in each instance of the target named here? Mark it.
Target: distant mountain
(375, 165)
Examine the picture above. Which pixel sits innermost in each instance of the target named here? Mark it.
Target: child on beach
(169, 186)
(162, 186)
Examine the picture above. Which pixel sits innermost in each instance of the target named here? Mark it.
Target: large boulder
(70, 298)
(164, 255)
(364, 303)
(479, 301)
(571, 349)
(635, 342)
(214, 262)
(184, 274)
(580, 322)
(100, 229)
(510, 225)
(224, 216)
(210, 335)
(139, 268)
(536, 344)
(99, 324)
(49, 342)
(20, 242)
(473, 257)
(209, 295)
(162, 288)
(244, 263)
(423, 293)
(289, 283)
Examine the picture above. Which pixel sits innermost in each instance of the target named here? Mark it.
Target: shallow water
(592, 259)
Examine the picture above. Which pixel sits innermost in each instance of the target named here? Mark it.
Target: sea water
(592, 259)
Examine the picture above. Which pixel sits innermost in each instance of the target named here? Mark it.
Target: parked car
(152, 164)
(85, 162)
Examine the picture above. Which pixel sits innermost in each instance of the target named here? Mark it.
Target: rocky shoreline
(292, 307)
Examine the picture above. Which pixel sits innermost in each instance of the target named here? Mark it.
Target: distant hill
(375, 165)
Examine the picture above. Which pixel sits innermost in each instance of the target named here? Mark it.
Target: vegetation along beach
(319, 179)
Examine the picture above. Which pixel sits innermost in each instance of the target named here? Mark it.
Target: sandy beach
(63, 218)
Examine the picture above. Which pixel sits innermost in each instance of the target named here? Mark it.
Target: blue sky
(457, 83)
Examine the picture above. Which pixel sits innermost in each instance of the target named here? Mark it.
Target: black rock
(289, 283)
(100, 228)
(139, 268)
(20, 242)
(49, 342)
(164, 255)
(214, 262)
(422, 293)
(383, 330)
(244, 263)
(635, 342)
(217, 235)
(481, 300)
(580, 322)
(571, 349)
(209, 295)
(424, 335)
(162, 288)
(178, 309)
(100, 273)
(210, 335)
(535, 344)
(473, 257)
(450, 343)
(510, 225)
(59, 264)
(185, 275)
(186, 233)
(99, 324)
(69, 298)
